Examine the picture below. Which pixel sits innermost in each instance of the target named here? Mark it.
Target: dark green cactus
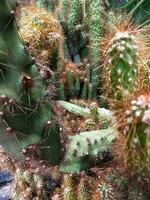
(85, 90)
(26, 114)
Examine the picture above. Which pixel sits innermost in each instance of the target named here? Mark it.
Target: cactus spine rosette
(137, 130)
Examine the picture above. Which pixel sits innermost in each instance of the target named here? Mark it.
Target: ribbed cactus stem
(70, 84)
(90, 91)
(68, 187)
(83, 190)
(85, 90)
(77, 86)
(96, 28)
(122, 65)
(76, 7)
(61, 92)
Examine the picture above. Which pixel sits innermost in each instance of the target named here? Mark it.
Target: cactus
(83, 190)
(29, 186)
(137, 131)
(68, 186)
(122, 68)
(70, 84)
(106, 191)
(41, 32)
(50, 5)
(96, 34)
(85, 90)
(82, 149)
(73, 18)
(105, 116)
(26, 113)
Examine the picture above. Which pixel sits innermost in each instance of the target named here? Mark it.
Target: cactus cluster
(80, 34)
(75, 81)
(41, 32)
(78, 137)
(29, 186)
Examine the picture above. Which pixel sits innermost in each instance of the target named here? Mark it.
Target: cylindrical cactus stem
(90, 91)
(68, 186)
(96, 29)
(88, 72)
(122, 68)
(75, 12)
(83, 190)
(94, 111)
(85, 90)
(70, 84)
(65, 5)
(77, 86)
(61, 91)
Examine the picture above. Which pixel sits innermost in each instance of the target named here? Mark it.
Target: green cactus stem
(96, 29)
(68, 187)
(122, 67)
(82, 149)
(103, 114)
(26, 113)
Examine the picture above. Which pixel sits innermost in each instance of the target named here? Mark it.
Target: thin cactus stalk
(76, 7)
(68, 187)
(96, 29)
